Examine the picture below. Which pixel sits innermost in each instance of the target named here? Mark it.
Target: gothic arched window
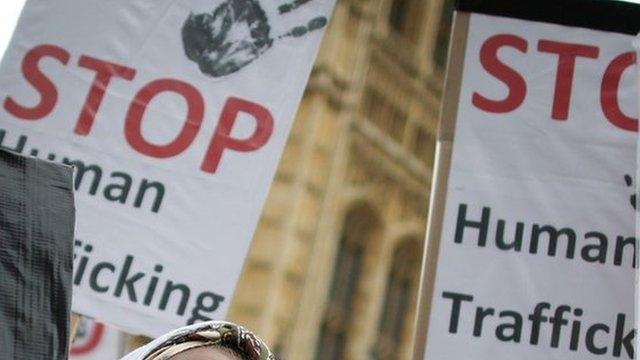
(359, 226)
(405, 19)
(402, 283)
(398, 15)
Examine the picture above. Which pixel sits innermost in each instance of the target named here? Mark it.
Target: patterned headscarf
(213, 333)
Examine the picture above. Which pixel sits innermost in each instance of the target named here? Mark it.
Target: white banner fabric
(537, 251)
(175, 114)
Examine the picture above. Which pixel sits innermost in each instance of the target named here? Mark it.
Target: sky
(10, 10)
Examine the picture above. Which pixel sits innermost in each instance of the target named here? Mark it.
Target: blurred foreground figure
(214, 340)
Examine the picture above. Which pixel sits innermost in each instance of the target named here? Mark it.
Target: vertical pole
(437, 202)
(73, 327)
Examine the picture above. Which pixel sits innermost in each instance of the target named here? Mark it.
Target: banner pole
(444, 149)
(73, 328)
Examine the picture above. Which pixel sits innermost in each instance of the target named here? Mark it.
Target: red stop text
(106, 72)
(567, 54)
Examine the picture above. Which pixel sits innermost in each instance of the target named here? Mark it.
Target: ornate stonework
(364, 138)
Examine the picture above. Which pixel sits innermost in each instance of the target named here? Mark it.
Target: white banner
(175, 114)
(96, 341)
(537, 250)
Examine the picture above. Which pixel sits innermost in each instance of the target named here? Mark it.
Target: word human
(117, 187)
(106, 72)
(562, 322)
(596, 247)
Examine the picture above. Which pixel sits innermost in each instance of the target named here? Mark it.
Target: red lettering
(42, 84)
(514, 81)
(609, 92)
(222, 137)
(195, 115)
(104, 72)
(567, 54)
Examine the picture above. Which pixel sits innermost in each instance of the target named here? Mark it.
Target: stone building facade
(333, 269)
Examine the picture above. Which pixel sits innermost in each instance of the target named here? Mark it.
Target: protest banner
(531, 238)
(37, 219)
(175, 114)
(96, 341)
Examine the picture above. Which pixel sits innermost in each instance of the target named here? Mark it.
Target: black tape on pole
(606, 15)
(37, 217)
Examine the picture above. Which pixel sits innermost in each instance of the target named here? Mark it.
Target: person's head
(209, 353)
(214, 340)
